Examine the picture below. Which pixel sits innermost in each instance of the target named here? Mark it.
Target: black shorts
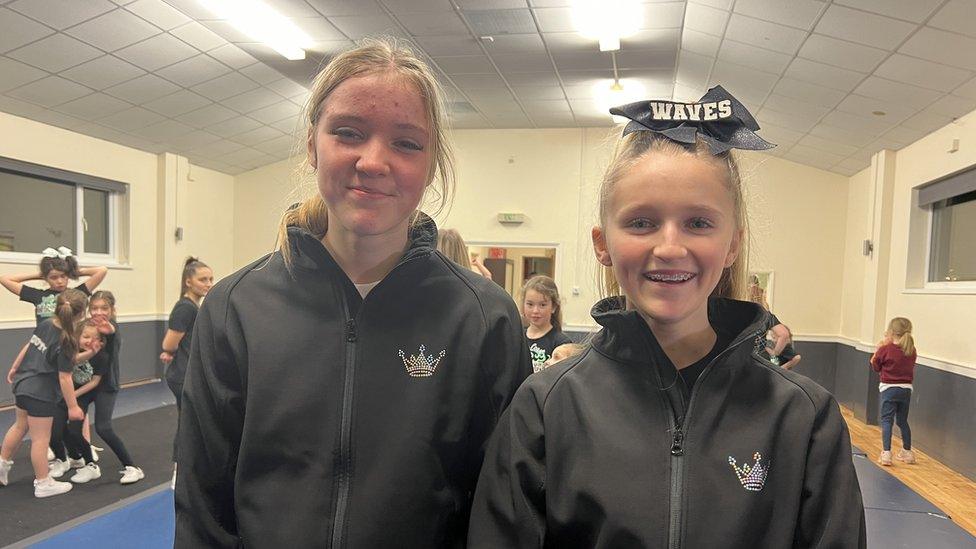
(36, 407)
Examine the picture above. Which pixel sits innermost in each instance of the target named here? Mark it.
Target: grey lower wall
(943, 410)
(139, 359)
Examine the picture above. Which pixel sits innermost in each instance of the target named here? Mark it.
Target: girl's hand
(165, 357)
(75, 413)
(10, 375)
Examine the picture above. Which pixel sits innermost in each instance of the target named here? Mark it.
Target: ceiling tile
(826, 75)
(257, 135)
(232, 56)
(328, 48)
(850, 166)
(49, 91)
(706, 19)
(719, 4)
(537, 78)
(809, 92)
(827, 145)
(19, 30)
(764, 34)
(643, 60)
(55, 53)
(284, 144)
(653, 39)
(754, 57)
(897, 92)
(490, 4)
(290, 126)
(207, 116)
(167, 130)
(546, 106)
(507, 103)
(449, 45)
(131, 119)
(903, 135)
(157, 52)
(856, 138)
(744, 83)
(295, 8)
(419, 6)
(864, 28)
(94, 106)
(14, 74)
(252, 100)
(467, 64)
(693, 69)
(261, 73)
(956, 16)
(219, 148)
(141, 89)
(778, 135)
(177, 103)
(813, 157)
(687, 93)
(330, 8)
(953, 106)
(782, 103)
(476, 81)
(942, 47)
(527, 62)
(360, 26)
(801, 14)
(287, 88)
(318, 29)
(593, 60)
(555, 19)
(565, 42)
(273, 113)
(116, 29)
(663, 15)
(190, 142)
(910, 10)
(225, 86)
(61, 14)
(193, 71)
(700, 43)
(841, 53)
(866, 106)
(922, 73)
(516, 43)
(927, 121)
(198, 36)
(865, 124)
(158, 13)
(500, 22)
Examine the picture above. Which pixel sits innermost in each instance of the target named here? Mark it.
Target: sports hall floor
(925, 505)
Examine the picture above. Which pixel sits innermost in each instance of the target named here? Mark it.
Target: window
(953, 255)
(45, 207)
(951, 207)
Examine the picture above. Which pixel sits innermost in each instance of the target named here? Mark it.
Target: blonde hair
(901, 328)
(631, 149)
(547, 287)
(70, 307)
(450, 243)
(375, 56)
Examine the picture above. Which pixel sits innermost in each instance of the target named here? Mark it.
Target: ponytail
(67, 265)
(310, 215)
(901, 328)
(71, 305)
(190, 268)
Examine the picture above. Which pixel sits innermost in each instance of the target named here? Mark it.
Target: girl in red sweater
(895, 361)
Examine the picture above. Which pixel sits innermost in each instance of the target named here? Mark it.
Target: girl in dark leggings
(86, 377)
(102, 311)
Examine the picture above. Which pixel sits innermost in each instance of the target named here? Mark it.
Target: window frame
(115, 189)
(944, 286)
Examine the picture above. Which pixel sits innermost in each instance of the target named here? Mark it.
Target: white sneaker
(50, 454)
(885, 458)
(5, 471)
(95, 450)
(87, 473)
(76, 463)
(58, 468)
(131, 475)
(49, 487)
(906, 456)
(172, 483)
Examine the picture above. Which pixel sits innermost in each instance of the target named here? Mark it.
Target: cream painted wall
(139, 283)
(799, 214)
(942, 322)
(858, 229)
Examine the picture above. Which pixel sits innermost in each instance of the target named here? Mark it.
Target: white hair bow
(63, 252)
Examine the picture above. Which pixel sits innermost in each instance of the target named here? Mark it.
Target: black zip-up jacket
(314, 418)
(602, 450)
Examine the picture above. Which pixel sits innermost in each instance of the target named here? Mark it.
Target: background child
(450, 243)
(40, 383)
(670, 430)
(542, 312)
(895, 361)
(86, 377)
(101, 307)
(57, 267)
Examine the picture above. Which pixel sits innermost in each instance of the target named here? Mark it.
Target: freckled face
(371, 153)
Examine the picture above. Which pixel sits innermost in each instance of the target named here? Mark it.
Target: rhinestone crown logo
(421, 365)
(752, 477)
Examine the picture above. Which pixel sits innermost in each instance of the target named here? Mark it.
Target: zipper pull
(676, 441)
(351, 330)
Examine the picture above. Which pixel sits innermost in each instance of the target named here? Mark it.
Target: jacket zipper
(351, 336)
(678, 434)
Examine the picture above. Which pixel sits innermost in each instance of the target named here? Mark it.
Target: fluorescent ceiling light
(614, 93)
(257, 20)
(607, 19)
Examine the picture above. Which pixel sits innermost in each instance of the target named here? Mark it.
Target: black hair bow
(718, 118)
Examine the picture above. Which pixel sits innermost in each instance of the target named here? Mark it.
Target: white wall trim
(122, 319)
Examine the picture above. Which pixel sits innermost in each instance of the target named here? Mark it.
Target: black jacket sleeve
(210, 427)
(509, 505)
(831, 510)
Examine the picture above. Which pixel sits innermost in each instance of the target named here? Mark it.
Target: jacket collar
(626, 337)
(309, 253)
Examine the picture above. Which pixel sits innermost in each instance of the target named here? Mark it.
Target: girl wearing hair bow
(671, 429)
(56, 268)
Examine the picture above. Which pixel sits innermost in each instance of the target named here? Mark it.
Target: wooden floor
(945, 488)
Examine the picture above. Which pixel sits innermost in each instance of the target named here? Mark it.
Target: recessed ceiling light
(260, 22)
(878, 113)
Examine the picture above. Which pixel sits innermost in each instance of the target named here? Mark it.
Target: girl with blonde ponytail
(895, 360)
(353, 375)
(45, 395)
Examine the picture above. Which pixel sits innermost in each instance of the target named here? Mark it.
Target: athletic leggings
(104, 408)
(57, 431)
(177, 389)
(74, 441)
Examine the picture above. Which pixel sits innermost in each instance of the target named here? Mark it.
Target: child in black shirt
(543, 315)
